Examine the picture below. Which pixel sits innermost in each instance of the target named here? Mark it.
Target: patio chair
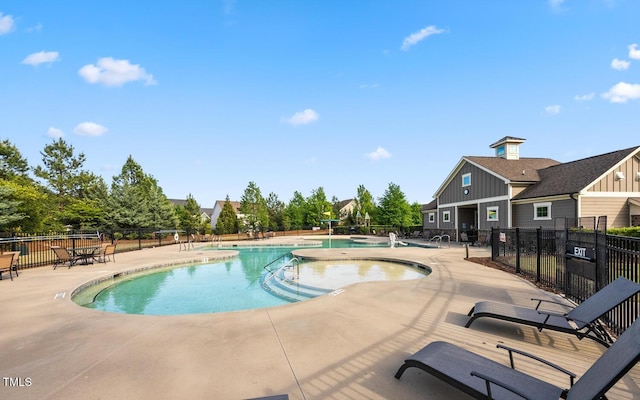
(16, 260)
(63, 256)
(6, 264)
(483, 378)
(107, 251)
(581, 321)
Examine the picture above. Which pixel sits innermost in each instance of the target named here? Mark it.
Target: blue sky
(293, 95)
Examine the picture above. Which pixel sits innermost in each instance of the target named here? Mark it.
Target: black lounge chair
(581, 321)
(483, 378)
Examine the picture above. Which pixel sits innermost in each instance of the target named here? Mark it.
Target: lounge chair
(107, 251)
(483, 378)
(63, 256)
(6, 264)
(581, 321)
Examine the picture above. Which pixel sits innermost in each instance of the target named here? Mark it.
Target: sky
(208, 96)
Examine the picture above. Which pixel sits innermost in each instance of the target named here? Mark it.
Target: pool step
(280, 285)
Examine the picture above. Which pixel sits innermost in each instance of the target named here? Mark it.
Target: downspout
(574, 198)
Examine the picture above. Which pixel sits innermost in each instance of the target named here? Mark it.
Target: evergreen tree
(227, 220)
(12, 164)
(61, 170)
(136, 201)
(275, 209)
(68, 185)
(189, 215)
(393, 209)
(254, 209)
(296, 210)
(8, 208)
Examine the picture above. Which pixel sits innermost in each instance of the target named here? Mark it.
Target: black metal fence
(35, 249)
(548, 256)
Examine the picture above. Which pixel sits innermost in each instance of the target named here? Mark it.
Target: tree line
(259, 213)
(61, 194)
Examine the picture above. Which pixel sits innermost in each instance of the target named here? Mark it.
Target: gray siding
(451, 224)
(425, 220)
(523, 214)
(483, 185)
(503, 217)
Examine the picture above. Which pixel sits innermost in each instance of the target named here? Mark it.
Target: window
(466, 180)
(446, 216)
(492, 214)
(541, 211)
(432, 217)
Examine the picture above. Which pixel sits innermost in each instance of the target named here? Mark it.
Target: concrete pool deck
(345, 346)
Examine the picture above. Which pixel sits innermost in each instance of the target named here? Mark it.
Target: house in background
(345, 208)
(205, 213)
(217, 209)
(512, 191)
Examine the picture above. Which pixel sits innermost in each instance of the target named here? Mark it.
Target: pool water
(231, 285)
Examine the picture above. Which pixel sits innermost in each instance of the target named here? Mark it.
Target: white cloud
(553, 110)
(55, 132)
(419, 36)
(622, 92)
(112, 72)
(301, 118)
(6, 24)
(379, 154)
(584, 97)
(42, 57)
(89, 129)
(620, 65)
(634, 53)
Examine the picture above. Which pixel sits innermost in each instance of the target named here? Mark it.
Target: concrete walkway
(346, 346)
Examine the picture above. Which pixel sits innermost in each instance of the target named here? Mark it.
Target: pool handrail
(439, 239)
(293, 262)
(277, 259)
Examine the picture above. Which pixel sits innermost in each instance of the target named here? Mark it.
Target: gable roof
(508, 170)
(234, 204)
(575, 176)
(520, 170)
(430, 206)
(343, 203)
(183, 202)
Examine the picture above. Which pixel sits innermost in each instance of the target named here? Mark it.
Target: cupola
(508, 147)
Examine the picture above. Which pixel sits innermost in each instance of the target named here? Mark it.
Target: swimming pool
(233, 284)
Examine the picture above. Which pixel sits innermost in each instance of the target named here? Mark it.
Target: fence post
(538, 252)
(517, 250)
(139, 239)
